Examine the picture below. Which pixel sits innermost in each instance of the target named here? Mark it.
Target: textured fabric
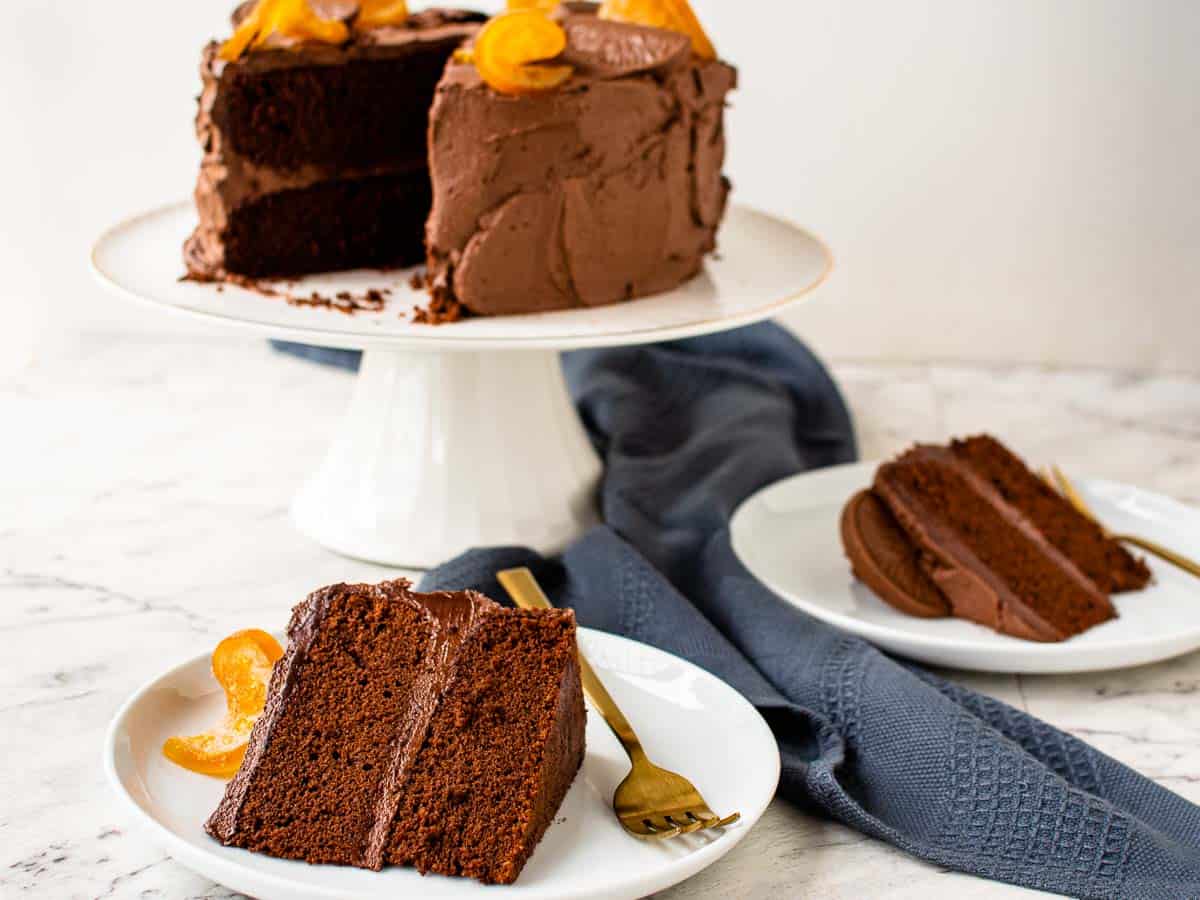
(688, 430)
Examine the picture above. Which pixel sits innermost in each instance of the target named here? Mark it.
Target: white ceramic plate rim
(1008, 648)
(445, 337)
(672, 872)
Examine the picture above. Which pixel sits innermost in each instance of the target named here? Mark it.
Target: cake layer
(335, 224)
(351, 107)
(1103, 560)
(606, 188)
(293, 116)
(990, 562)
(440, 731)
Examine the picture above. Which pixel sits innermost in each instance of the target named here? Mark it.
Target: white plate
(764, 264)
(787, 535)
(677, 708)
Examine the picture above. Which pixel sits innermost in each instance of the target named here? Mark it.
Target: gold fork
(1073, 497)
(650, 802)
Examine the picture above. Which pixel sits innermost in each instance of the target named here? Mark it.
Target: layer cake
(326, 147)
(439, 731)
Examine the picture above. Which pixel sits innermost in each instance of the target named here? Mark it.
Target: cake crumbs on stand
(442, 307)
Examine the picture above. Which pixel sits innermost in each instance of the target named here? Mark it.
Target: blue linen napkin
(687, 431)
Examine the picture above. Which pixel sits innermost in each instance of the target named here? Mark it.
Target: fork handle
(1161, 552)
(528, 594)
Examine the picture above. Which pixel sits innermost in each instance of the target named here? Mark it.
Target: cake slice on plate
(439, 731)
(967, 530)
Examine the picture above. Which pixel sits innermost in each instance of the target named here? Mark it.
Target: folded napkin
(687, 431)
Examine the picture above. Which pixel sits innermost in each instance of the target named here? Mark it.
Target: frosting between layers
(455, 615)
(606, 188)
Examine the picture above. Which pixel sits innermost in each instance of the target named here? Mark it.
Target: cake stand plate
(461, 434)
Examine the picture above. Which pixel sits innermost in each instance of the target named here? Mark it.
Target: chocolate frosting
(885, 560)
(604, 189)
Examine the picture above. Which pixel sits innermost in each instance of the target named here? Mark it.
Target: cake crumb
(442, 307)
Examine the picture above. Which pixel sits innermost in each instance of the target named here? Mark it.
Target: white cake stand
(463, 434)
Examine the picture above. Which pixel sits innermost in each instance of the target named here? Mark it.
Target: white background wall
(1000, 179)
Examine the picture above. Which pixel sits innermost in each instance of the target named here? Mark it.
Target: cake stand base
(443, 451)
(461, 434)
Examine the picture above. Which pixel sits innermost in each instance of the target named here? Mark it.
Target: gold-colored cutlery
(1056, 478)
(651, 802)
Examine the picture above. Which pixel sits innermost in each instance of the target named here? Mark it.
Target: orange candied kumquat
(290, 18)
(242, 665)
(543, 5)
(511, 50)
(378, 13)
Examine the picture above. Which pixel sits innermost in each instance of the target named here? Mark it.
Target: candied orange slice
(290, 18)
(543, 5)
(242, 665)
(511, 49)
(377, 13)
(674, 15)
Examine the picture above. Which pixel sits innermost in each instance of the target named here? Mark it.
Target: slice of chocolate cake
(315, 153)
(973, 524)
(605, 188)
(1105, 561)
(439, 731)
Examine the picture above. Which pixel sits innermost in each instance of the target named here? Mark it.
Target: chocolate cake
(315, 153)
(439, 731)
(971, 525)
(322, 152)
(608, 187)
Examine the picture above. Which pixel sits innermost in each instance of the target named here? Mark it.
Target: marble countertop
(143, 514)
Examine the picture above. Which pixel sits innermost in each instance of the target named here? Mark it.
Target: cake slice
(439, 731)
(968, 530)
(1105, 561)
(605, 188)
(315, 153)
(987, 558)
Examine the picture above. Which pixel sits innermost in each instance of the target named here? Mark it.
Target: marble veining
(143, 516)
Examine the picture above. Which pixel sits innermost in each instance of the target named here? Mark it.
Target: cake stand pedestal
(463, 434)
(442, 451)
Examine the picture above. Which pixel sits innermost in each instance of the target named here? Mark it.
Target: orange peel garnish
(673, 15)
(242, 665)
(511, 50)
(543, 5)
(290, 18)
(380, 13)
